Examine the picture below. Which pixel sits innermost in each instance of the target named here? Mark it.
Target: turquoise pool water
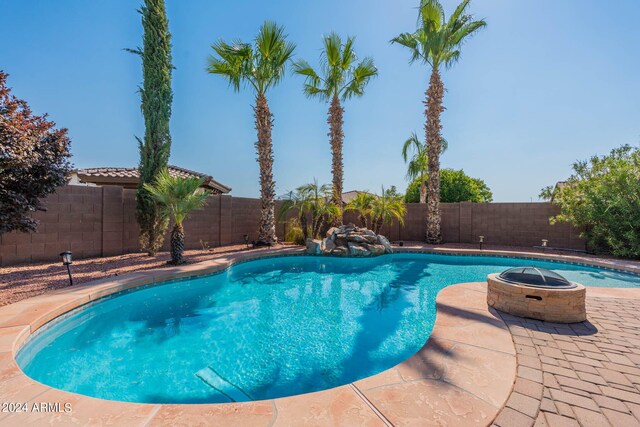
(262, 329)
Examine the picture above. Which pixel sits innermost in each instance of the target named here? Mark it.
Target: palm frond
(338, 76)
(177, 196)
(262, 65)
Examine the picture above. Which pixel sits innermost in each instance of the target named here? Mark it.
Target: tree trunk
(434, 108)
(363, 221)
(177, 244)
(423, 190)
(264, 147)
(336, 137)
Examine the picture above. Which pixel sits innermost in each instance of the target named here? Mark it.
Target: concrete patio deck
(466, 372)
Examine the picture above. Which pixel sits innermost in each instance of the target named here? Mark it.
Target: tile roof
(131, 176)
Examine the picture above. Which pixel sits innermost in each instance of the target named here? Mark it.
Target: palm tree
(259, 67)
(341, 77)
(387, 208)
(177, 197)
(311, 201)
(362, 204)
(418, 163)
(437, 42)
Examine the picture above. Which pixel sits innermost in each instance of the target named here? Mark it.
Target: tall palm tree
(362, 204)
(177, 197)
(418, 163)
(259, 67)
(387, 208)
(310, 201)
(437, 42)
(341, 77)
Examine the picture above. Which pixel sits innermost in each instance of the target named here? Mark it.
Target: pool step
(211, 378)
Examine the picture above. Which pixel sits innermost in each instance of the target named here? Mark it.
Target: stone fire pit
(537, 294)
(349, 240)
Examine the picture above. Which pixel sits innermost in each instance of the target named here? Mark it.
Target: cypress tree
(156, 96)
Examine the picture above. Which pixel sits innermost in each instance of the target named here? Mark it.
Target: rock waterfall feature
(349, 240)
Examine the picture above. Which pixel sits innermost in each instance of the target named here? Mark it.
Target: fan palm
(387, 208)
(177, 197)
(437, 42)
(311, 201)
(418, 163)
(362, 204)
(259, 67)
(341, 77)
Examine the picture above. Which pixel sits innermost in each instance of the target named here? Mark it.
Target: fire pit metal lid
(536, 277)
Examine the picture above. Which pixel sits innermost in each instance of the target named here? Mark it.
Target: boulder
(385, 242)
(357, 238)
(376, 249)
(358, 250)
(340, 251)
(313, 246)
(331, 231)
(327, 246)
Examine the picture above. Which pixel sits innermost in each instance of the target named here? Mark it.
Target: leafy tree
(437, 42)
(362, 203)
(260, 67)
(386, 208)
(34, 160)
(177, 197)
(156, 96)
(341, 77)
(455, 187)
(417, 164)
(310, 201)
(603, 197)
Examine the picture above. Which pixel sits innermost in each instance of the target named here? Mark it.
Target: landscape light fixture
(67, 261)
(481, 241)
(544, 244)
(246, 240)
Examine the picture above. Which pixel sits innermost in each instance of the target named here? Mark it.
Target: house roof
(131, 177)
(348, 196)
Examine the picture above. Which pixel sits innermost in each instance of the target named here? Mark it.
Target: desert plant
(418, 162)
(603, 198)
(362, 204)
(156, 96)
(437, 42)
(341, 77)
(34, 161)
(177, 197)
(294, 232)
(455, 186)
(313, 206)
(260, 67)
(386, 208)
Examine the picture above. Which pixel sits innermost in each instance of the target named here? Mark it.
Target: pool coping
(462, 375)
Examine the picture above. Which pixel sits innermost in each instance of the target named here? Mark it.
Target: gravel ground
(26, 281)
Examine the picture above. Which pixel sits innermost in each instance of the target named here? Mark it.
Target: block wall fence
(100, 221)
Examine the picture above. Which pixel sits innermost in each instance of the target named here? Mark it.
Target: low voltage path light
(544, 245)
(481, 241)
(246, 240)
(67, 260)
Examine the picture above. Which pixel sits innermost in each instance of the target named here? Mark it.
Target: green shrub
(294, 233)
(603, 197)
(455, 186)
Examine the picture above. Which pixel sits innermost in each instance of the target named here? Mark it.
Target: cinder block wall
(100, 221)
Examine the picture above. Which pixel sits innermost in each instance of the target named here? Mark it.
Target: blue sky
(546, 83)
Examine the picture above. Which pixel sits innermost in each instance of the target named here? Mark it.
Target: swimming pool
(261, 329)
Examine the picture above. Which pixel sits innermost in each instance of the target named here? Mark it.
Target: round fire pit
(538, 294)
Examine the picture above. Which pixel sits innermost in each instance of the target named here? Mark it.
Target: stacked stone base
(550, 305)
